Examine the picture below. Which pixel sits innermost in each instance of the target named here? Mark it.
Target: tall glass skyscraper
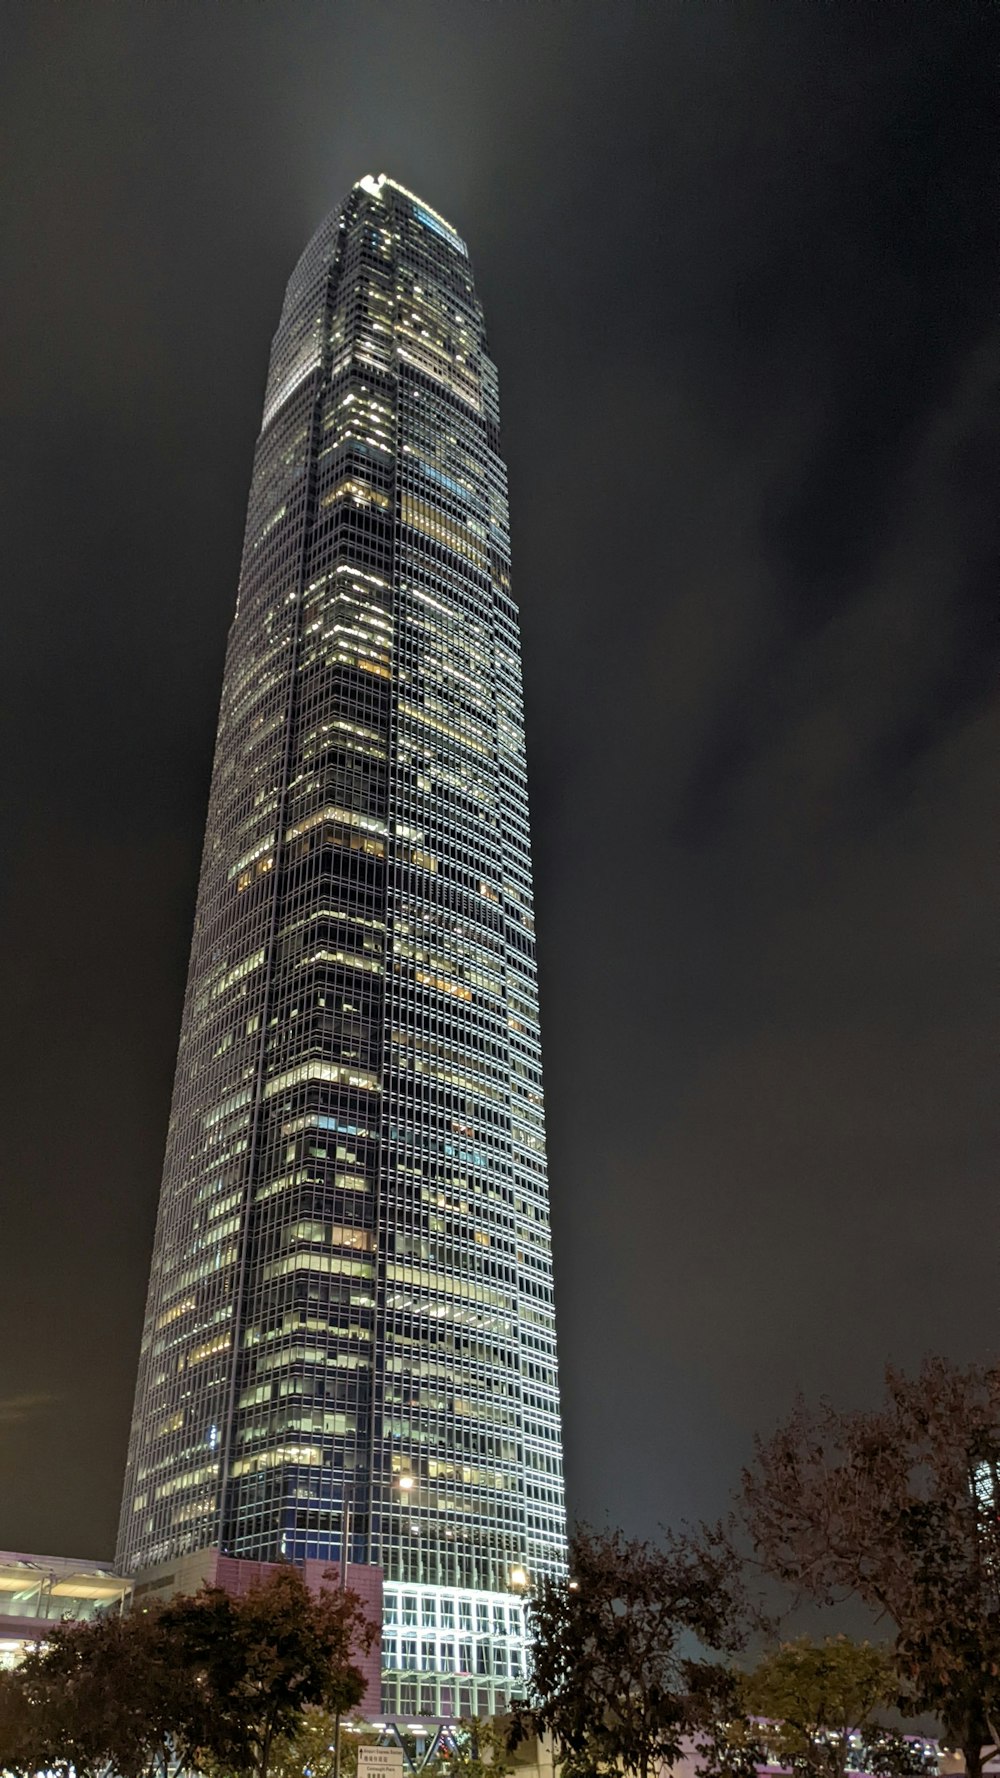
(350, 1310)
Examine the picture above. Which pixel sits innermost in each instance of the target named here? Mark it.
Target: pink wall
(238, 1576)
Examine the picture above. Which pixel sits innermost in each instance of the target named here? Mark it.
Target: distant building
(349, 1344)
(38, 1592)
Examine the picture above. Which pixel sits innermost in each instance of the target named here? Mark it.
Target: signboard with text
(380, 1762)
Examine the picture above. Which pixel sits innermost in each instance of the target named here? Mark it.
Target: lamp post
(519, 1581)
(406, 1484)
(345, 1545)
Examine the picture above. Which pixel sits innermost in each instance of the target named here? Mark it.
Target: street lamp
(407, 1484)
(345, 1544)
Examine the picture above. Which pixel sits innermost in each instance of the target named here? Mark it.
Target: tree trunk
(973, 1757)
(265, 1751)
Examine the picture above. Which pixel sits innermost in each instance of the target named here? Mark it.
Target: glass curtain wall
(350, 1325)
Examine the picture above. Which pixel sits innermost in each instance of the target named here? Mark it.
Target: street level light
(407, 1483)
(345, 1545)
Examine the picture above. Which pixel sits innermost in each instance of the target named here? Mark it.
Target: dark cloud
(739, 270)
(16, 1408)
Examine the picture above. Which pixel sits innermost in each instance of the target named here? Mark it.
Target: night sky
(739, 269)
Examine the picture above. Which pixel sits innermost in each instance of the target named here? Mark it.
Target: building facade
(349, 1338)
(39, 1592)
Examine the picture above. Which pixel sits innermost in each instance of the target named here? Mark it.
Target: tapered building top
(350, 1323)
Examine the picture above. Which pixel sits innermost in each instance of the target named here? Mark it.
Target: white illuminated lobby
(450, 1654)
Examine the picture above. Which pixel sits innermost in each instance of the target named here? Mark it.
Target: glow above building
(350, 1307)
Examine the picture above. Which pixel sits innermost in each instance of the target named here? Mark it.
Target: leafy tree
(20, 1744)
(310, 1751)
(471, 1749)
(257, 1661)
(97, 1695)
(819, 1702)
(622, 1672)
(901, 1507)
(477, 1748)
(211, 1681)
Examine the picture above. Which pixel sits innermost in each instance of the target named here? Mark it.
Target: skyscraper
(349, 1331)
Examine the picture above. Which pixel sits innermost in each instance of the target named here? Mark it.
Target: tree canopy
(211, 1680)
(94, 1696)
(310, 1751)
(900, 1506)
(624, 1651)
(477, 1748)
(815, 1708)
